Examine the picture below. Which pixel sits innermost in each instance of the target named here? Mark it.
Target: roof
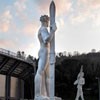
(13, 65)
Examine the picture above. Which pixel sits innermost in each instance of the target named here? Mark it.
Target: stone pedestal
(46, 98)
(55, 98)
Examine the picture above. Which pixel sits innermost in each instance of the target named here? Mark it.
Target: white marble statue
(42, 75)
(80, 82)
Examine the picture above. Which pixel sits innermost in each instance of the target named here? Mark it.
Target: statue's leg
(38, 77)
(43, 87)
(78, 94)
(82, 97)
(47, 80)
(38, 80)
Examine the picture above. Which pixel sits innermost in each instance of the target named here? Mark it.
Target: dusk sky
(78, 25)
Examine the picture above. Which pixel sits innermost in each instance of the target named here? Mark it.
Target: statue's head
(44, 20)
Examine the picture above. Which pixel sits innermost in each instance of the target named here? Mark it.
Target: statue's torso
(44, 47)
(80, 82)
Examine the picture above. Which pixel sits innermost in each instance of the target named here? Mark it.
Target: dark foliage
(67, 70)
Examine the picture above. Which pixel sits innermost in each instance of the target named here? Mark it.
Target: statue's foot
(41, 98)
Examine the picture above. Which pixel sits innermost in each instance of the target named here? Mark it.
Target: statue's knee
(40, 72)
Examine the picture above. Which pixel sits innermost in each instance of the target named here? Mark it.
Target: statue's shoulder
(41, 30)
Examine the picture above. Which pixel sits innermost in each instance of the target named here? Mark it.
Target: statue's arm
(46, 36)
(76, 82)
(53, 29)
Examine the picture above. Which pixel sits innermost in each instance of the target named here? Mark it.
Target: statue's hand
(54, 27)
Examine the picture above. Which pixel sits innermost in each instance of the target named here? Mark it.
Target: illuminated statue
(80, 82)
(42, 75)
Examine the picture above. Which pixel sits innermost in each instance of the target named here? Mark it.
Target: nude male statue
(80, 82)
(42, 75)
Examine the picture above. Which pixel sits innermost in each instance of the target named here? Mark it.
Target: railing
(12, 54)
(19, 55)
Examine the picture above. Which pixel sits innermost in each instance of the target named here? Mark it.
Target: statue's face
(46, 24)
